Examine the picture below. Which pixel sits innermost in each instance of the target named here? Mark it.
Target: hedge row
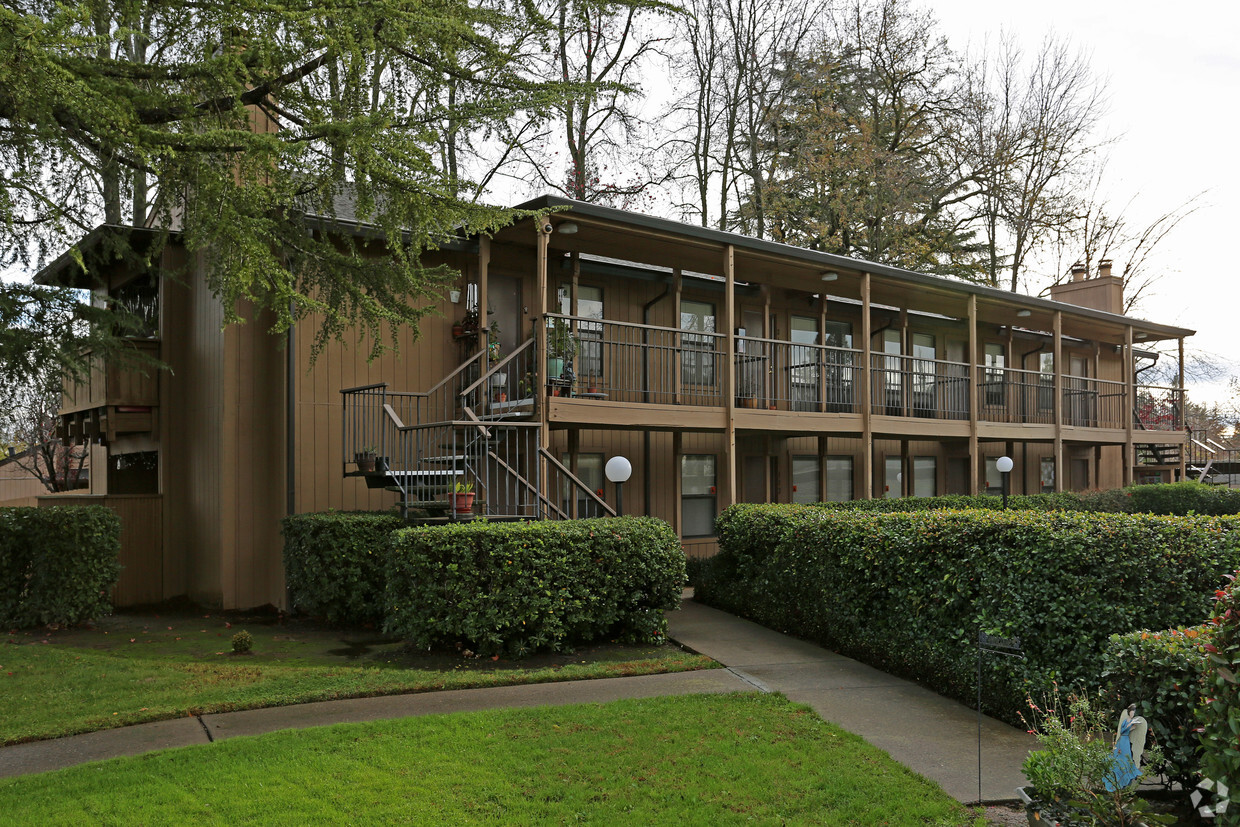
(1161, 672)
(1180, 498)
(515, 587)
(57, 565)
(1220, 715)
(524, 587)
(909, 592)
(334, 564)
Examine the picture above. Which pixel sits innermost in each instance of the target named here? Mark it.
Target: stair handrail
(496, 368)
(572, 478)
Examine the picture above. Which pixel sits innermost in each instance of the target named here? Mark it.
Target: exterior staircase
(478, 432)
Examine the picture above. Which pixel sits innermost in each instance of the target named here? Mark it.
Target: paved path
(922, 730)
(932, 735)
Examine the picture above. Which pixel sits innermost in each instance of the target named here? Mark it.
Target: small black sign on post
(1008, 647)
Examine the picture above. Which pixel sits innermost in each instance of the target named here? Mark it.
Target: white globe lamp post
(618, 471)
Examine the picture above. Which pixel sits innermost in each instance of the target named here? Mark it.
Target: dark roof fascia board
(827, 260)
(86, 245)
(359, 229)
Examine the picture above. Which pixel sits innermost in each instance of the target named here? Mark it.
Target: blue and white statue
(1129, 745)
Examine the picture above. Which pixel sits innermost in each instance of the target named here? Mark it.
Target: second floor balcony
(683, 379)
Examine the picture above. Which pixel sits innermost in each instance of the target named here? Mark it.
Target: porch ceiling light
(830, 275)
(1024, 314)
(567, 227)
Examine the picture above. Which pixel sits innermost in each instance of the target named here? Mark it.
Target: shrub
(909, 592)
(58, 564)
(1183, 498)
(242, 643)
(523, 587)
(334, 564)
(1161, 673)
(1219, 716)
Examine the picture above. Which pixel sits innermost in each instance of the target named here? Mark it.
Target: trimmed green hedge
(523, 587)
(1220, 715)
(334, 564)
(57, 564)
(1161, 673)
(909, 592)
(1183, 498)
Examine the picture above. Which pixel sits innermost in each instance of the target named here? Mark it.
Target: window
(994, 479)
(839, 479)
(1047, 475)
(1046, 382)
(995, 363)
(697, 356)
(839, 366)
(893, 347)
(891, 478)
(590, 472)
(589, 364)
(136, 473)
(803, 365)
(140, 296)
(925, 476)
(924, 354)
(697, 495)
(805, 475)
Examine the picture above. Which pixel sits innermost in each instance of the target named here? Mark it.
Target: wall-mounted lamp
(1142, 335)
(1024, 314)
(566, 227)
(830, 275)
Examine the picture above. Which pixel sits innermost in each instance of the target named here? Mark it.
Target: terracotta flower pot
(463, 502)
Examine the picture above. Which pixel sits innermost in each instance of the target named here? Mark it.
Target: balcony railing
(132, 381)
(1159, 408)
(634, 363)
(918, 387)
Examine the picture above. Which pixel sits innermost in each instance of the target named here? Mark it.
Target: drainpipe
(646, 308)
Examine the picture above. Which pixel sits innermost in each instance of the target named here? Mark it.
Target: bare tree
(1031, 134)
(601, 47)
(30, 429)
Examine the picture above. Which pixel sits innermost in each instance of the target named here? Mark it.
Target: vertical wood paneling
(142, 552)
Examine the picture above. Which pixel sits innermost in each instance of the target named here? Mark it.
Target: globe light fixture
(1004, 464)
(618, 471)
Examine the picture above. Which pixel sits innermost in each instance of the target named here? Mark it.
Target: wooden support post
(1181, 421)
(677, 290)
(678, 448)
(1058, 400)
(1130, 407)
(540, 313)
(975, 397)
(729, 375)
(867, 428)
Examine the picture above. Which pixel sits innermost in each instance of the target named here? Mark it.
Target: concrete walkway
(932, 735)
(922, 730)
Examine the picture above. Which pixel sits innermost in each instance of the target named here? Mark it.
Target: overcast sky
(1173, 74)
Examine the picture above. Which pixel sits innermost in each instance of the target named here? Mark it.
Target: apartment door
(753, 483)
(1082, 398)
(504, 309)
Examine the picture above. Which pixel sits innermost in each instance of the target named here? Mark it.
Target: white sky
(1173, 73)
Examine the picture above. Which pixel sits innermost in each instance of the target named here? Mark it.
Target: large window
(994, 478)
(806, 472)
(589, 364)
(697, 356)
(590, 472)
(925, 476)
(697, 495)
(1047, 475)
(839, 479)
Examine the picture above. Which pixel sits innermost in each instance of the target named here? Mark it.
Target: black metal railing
(918, 387)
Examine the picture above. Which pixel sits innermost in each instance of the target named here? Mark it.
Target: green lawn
(134, 668)
(695, 760)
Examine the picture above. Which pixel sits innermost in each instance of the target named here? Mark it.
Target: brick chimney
(1103, 292)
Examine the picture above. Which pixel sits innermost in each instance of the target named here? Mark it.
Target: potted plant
(365, 459)
(469, 323)
(463, 498)
(747, 386)
(1075, 778)
(561, 345)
